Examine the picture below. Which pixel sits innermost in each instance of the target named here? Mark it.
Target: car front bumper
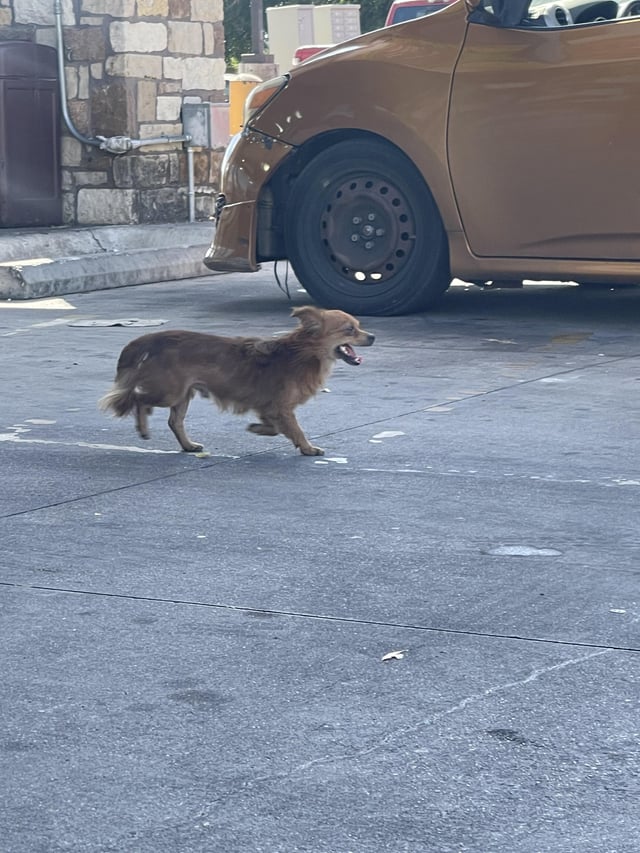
(248, 163)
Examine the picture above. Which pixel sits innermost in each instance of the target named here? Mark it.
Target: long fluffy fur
(270, 376)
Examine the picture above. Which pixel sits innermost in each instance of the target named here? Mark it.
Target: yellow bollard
(239, 87)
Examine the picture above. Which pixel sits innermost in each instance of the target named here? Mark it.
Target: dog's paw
(312, 451)
(193, 448)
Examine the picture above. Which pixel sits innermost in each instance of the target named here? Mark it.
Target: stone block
(163, 205)
(41, 14)
(201, 167)
(172, 68)
(205, 206)
(218, 39)
(83, 82)
(180, 9)
(85, 44)
(159, 131)
(79, 113)
(69, 208)
(152, 171)
(97, 71)
(71, 81)
(134, 65)
(70, 151)
(107, 207)
(6, 18)
(146, 101)
(208, 33)
(214, 170)
(153, 8)
(41, 35)
(207, 10)
(203, 73)
(90, 179)
(19, 33)
(123, 171)
(142, 171)
(185, 37)
(97, 160)
(168, 108)
(175, 159)
(139, 37)
(112, 108)
(117, 8)
(166, 87)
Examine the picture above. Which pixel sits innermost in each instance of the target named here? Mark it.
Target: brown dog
(269, 376)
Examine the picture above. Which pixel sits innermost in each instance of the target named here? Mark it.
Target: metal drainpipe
(191, 193)
(114, 144)
(87, 140)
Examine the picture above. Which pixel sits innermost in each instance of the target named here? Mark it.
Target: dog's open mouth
(348, 354)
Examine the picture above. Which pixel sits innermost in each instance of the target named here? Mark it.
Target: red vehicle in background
(306, 51)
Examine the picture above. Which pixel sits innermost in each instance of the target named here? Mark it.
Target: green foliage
(237, 22)
(237, 30)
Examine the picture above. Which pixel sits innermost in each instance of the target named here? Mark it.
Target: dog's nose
(370, 339)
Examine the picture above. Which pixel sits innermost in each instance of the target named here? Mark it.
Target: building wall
(130, 65)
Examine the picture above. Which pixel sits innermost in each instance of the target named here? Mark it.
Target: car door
(543, 137)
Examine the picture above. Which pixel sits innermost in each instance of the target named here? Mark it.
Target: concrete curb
(53, 262)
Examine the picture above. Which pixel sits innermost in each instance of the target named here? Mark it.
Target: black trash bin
(30, 192)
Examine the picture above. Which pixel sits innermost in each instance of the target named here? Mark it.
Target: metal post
(257, 26)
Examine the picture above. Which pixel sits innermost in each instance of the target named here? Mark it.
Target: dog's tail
(121, 398)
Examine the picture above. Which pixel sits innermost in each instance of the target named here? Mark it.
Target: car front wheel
(364, 233)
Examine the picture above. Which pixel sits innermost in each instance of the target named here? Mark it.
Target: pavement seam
(323, 617)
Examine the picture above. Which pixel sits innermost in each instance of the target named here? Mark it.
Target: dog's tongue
(348, 354)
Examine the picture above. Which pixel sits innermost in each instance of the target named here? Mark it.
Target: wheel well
(274, 196)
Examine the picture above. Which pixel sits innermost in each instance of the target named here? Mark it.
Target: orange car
(490, 141)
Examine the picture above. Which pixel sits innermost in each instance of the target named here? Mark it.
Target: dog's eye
(349, 329)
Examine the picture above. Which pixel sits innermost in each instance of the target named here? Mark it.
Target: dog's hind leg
(142, 419)
(265, 427)
(176, 425)
(289, 426)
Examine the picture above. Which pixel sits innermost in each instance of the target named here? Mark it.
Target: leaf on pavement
(394, 655)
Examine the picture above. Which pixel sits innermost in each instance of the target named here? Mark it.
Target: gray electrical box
(196, 121)
(206, 123)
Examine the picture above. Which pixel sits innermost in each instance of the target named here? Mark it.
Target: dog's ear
(310, 317)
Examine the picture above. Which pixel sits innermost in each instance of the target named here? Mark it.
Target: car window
(500, 13)
(543, 14)
(409, 13)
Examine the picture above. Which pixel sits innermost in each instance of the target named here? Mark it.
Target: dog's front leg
(176, 425)
(289, 426)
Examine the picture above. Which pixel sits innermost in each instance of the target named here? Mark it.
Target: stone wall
(130, 65)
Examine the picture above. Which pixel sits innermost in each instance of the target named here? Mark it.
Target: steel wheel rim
(367, 229)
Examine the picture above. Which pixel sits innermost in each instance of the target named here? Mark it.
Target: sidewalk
(36, 263)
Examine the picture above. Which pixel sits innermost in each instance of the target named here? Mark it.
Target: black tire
(363, 232)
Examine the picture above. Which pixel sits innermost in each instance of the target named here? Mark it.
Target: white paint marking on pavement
(54, 304)
(18, 439)
(390, 433)
(17, 431)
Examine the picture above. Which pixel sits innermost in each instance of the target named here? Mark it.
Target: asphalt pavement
(426, 640)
